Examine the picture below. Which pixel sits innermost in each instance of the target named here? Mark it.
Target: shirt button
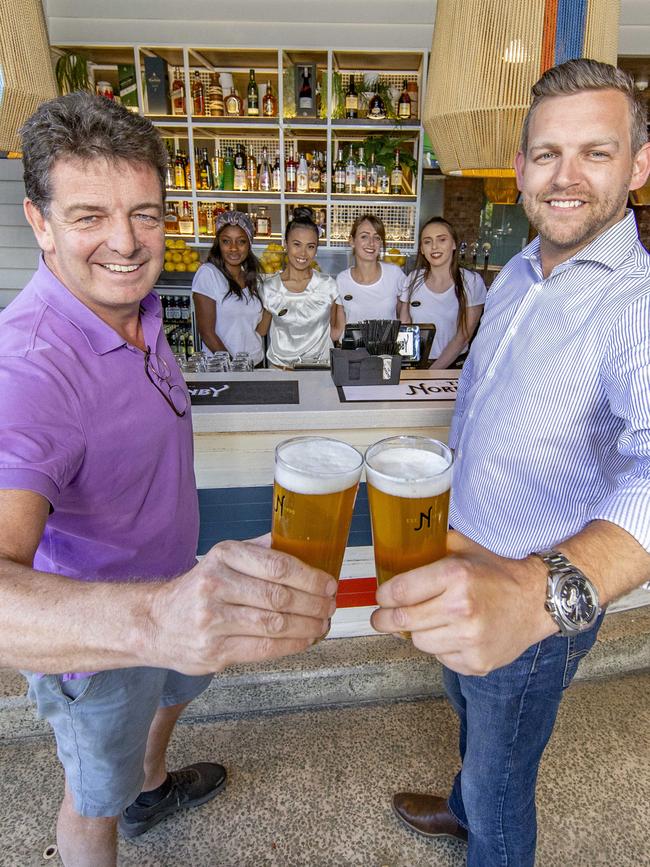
(489, 374)
(512, 332)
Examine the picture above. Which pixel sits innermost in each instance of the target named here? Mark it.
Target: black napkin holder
(358, 367)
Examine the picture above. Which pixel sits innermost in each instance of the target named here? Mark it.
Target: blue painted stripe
(244, 513)
(570, 29)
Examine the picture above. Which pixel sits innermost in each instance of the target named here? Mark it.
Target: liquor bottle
(215, 106)
(372, 176)
(169, 172)
(252, 96)
(228, 171)
(264, 179)
(217, 172)
(323, 173)
(314, 175)
(210, 222)
(241, 181)
(185, 222)
(269, 102)
(251, 170)
(362, 175)
(198, 94)
(305, 96)
(350, 174)
(376, 108)
(412, 88)
(351, 100)
(198, 182)
(396, 177)
(178, 93)
(291, 172)
(188, 171)
(207, 175)
(302, 175)
(203, 219)
(404, 103)
(339, 173)
(276, 175)
(263, 224)
(179, 171)
(171, 219)
(233, 104)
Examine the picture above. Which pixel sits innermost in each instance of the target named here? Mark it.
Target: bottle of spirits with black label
(305, 96)
(351, 99)
(252, 96)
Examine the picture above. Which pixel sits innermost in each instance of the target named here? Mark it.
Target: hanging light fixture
(485, 57)
(26, 74)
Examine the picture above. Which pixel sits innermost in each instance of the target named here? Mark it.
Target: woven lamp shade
(485, 57)
(26, 74)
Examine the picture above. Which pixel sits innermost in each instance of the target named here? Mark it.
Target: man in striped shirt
(551, 493)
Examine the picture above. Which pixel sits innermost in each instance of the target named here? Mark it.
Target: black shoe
(190, 787)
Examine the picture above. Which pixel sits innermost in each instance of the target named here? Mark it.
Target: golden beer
(316, 481)
(409, 482)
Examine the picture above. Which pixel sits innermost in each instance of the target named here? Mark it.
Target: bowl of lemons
(179, 257)
(395, 256)
(272, 258)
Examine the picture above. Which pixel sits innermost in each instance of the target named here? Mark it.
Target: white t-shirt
(441, 308)
(373, 300)
(300, 323)
(236, 320)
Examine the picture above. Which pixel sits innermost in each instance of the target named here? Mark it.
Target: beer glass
(316, 481)
(409, 480)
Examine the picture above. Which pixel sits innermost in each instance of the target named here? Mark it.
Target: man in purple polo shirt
(97, 486)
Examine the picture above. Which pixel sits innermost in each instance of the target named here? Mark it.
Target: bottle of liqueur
(372, 176)
(264, 179)
(362, 175)
(404, 103)
(210, 222)
(169, 172)
(252, 96)
(376, 107)
(314, 174)
(323, 173)
(263, 223)
(305, 96)
(351, 174)
(171, 219)
(215, 97)
(251, 170)
(198, 94)
(179, 171)
(202, 219)
(396, 177)
(351, 100)
(185, 222)
(233, 104)
(188, 171)
(276, 175)
(207, 178)
(291, 172)
(269, 102)
(302, 175)
(339, 173)
(241, 180)
(228, 171)
(178, 93)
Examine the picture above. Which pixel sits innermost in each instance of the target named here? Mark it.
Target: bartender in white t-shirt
(225, 290)
(370, 289)
(439, 291)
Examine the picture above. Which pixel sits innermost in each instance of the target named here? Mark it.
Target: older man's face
(104, 234)
(578, 169)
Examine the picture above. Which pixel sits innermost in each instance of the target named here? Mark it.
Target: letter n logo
(424, 516)
(279, 504)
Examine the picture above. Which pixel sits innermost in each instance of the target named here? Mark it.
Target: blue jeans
(506, 719)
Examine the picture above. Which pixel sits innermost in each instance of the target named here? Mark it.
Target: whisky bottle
(263, 223)
(178, 93)
(276, 176)
(269, 102)
(169, 172)
(396, 177)
(291, 172)
(350, 174)
(179, 171)
(185, 222)
(210, 223)
(207, 176)
(302, 175)
(171, 219)
(351, 100)
(228, 171)
(233, 104)
(251, 170)
(264, 179)
(252, 96)
(305, 96)
(404, 103)
(323, 173)
(188, 171)
(372, 176)
(198, 94)
(240, 181)
(339, 173)
(314, 175)
(376, 108)
(362, 175)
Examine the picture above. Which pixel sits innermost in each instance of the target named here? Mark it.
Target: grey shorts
(101, 724)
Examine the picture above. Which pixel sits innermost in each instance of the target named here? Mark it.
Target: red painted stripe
(356, 592)
(548, 36)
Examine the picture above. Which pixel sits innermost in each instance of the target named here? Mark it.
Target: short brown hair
(576, 76)
(376, 224)
(81, 126)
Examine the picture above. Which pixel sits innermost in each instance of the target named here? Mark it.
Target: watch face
(576, 600)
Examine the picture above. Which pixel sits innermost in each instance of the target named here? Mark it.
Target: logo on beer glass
(424, 516)
(279, 504)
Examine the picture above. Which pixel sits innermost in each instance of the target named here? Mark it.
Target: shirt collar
(100, 336)
(610, 248)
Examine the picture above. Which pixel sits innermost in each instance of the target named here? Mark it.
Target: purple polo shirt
(82, 425)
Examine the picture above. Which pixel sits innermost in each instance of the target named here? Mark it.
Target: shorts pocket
(76, 689)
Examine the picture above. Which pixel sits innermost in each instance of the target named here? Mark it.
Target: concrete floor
(313, 789)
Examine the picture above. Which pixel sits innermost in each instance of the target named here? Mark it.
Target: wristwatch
(571, 598)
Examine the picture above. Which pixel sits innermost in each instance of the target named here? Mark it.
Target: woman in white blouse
(439, 291)
(226, 290)
(370, 289)
(301, 306)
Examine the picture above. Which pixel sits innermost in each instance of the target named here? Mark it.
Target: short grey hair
(81, 126)
(577, 76)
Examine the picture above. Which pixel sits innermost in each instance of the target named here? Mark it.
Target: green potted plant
(72, 73)
(384, 146)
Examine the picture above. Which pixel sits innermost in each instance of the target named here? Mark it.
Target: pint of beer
(316, 481)
(409, 480)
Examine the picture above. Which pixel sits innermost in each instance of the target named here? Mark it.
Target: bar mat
(242, 393)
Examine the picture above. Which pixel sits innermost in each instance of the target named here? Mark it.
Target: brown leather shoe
(428, 815)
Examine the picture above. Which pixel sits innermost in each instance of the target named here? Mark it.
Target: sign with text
(243, 392)
(409, 390)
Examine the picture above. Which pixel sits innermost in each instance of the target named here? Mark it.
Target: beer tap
(473, 252)
(462, 249)
(486, 247)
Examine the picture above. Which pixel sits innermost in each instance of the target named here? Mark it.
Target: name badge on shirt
(348, 297)
(283, 312)
(415, 303)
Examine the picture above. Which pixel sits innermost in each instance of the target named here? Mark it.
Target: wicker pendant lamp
(486, 55)
(26, 75)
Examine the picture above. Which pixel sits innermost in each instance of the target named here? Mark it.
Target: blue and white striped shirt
(552, 421)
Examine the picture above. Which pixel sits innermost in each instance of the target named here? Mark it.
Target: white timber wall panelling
(18, 248)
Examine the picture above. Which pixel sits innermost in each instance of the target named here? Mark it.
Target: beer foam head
(405, 471)
(317, 465)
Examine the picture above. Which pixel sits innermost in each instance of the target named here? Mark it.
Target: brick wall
(643, 222)
(463, 203)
